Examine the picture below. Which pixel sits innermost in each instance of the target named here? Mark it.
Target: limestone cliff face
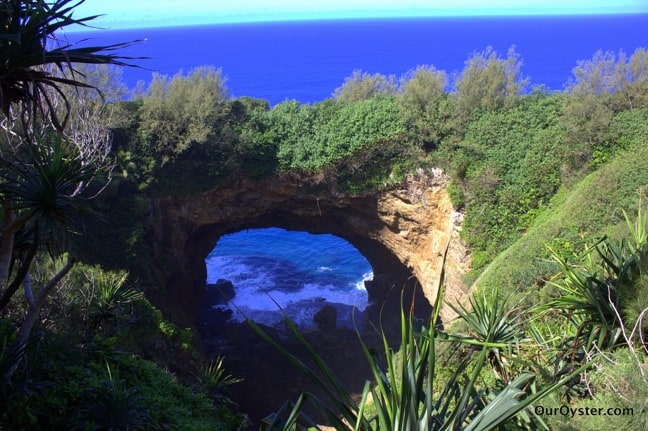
(419, 223)
(402, 231)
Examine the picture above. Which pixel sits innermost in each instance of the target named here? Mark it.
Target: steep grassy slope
(577, 214)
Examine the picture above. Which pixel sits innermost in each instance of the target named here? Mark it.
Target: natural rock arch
(402, 231)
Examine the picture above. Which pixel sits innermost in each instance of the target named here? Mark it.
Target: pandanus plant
(591, 291)
(402, 395)
(35, 68)
(42, 173)
(31, 53)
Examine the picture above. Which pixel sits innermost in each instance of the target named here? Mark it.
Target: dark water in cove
(295, 270)
(306, 61)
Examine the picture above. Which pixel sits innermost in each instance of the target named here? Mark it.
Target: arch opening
(263, 273)
(400, 231)
(330, 331)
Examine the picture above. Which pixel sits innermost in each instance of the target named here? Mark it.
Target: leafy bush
(488, 83)
(315, 137)
(363, 86)
(182, 112)
(94, 386)
(576, 215)
(425, 105)
(505, 171)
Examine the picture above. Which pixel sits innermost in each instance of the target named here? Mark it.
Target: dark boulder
(219, 293)
(326, 318)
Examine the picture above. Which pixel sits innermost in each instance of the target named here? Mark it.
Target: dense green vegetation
(552, 184)
(73, 338)
(508, 152)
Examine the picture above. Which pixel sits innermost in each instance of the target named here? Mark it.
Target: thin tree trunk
(33, 313)
(6, 245)
(29, 295)
(22, 272)
(8, 233)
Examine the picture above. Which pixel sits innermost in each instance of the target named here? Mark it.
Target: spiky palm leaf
(590, 291)
(214, 380)
(43, 185)
(41, 189)
(494, 325)
(402, 391)
(27, 31)
(490, 314)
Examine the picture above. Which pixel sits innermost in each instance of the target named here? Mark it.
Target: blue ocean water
(295, 271)
(307, 61)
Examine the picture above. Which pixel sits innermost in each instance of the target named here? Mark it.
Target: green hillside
(577, 214)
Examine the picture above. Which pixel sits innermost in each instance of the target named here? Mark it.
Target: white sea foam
(254, 302)
(272, 283)
(360, 285)
(256, 297)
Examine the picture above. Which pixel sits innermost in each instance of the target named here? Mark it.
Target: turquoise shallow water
(274, 269)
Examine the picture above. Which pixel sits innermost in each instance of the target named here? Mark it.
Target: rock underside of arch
(402, 231)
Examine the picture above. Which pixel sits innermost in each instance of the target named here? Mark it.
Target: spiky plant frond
(44, 183)
(31, 51)
(402, 392)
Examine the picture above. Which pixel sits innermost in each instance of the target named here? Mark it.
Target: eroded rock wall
(401, 231)
(419, 223)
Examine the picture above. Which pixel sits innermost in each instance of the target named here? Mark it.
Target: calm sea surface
(306, 61)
